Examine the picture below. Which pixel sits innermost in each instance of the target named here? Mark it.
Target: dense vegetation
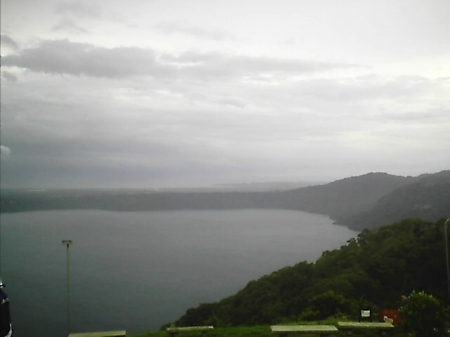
(372, 271)
(424, 315)
(427, 198)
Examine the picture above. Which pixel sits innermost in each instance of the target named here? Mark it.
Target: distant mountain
(369, 200)
(428, 198)
(349, 196)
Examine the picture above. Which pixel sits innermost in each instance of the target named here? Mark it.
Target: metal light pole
(446, 257)
(68, 243)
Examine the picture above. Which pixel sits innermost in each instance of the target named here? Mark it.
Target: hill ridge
(351, 201)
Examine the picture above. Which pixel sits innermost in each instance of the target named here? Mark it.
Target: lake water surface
(139, 270)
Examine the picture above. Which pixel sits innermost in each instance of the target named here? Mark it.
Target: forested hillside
(428, 198)
(372, 271)
(345, 197)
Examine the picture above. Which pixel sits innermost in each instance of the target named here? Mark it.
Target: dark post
(68, 243)
(446, 258)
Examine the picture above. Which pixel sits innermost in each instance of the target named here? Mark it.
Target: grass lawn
(260, 331)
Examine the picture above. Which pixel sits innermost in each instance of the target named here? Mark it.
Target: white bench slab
(350, 326)
(283, 330)
(117, 333)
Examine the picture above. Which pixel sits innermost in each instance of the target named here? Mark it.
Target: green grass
(254, 331)
(262, 331)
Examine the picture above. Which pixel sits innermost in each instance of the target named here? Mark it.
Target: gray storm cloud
(8, 41)
(154, 93)
(9, 76)
(66, 57)
(69, 25)
(4, 150)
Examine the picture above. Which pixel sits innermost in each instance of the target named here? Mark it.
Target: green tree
(326, 305)
(424, 315)
(372, 270)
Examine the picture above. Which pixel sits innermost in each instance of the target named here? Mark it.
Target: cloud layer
(67, 57)
(106, 96)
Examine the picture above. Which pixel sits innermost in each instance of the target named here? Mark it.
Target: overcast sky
(167, 93)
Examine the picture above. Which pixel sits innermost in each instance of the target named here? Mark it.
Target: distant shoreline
(366, 201)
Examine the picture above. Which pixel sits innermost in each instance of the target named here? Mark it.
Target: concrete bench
(118, 333)
(382, 327)
(174, 331)
(321, 330)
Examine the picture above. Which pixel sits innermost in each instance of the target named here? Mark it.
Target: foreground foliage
(371, 271)
(424, 315)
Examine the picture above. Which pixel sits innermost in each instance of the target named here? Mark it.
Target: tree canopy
(373, 270)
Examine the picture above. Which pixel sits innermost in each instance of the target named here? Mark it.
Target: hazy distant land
(359, 202)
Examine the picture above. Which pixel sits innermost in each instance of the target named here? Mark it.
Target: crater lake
(136, 271)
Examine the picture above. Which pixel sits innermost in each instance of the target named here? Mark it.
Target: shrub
(326, 305)
(424, 315)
